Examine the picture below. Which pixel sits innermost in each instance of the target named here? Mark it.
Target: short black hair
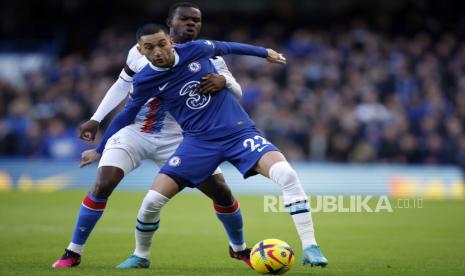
(173, 8)
(148, 29)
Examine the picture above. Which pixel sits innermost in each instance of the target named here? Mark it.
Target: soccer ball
(272, 256)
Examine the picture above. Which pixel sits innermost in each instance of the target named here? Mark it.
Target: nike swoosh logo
(262, 148)
(161, 88)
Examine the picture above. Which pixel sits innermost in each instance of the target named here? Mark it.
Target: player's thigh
(125, 150)
(193, 161)
(165, 185)
(267, 161)
(248, 149)
(117, 157)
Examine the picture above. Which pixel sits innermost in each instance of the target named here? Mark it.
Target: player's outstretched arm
(114, 96)
(88, 157)
(226, 48)
(275, 57)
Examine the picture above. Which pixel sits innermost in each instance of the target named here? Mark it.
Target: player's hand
(88, 157)
(211, 83)
(88, 130)
(275, 57)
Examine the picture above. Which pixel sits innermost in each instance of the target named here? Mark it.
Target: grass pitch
(36, 227)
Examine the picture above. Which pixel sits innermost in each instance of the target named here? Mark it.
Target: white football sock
(148, 219)
(237, 248)
(295, 199)
(76, 248)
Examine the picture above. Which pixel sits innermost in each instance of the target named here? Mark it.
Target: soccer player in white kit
(154, 135)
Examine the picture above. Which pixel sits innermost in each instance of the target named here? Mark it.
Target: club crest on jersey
(194, 67)
(174, 161)
(194, 100)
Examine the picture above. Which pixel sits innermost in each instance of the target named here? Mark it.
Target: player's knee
(283, 174)
(154, 201)
(102, 189)
(224, 197)
(108, 178)
(290, 177)
(104, 186)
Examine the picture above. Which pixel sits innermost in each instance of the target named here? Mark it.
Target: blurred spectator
(61, 141)
(350, 95)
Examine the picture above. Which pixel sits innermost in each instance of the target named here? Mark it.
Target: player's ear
(168, 22)
(139, 49)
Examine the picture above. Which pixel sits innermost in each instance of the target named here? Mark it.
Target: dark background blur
(70, 25)
(366, 81)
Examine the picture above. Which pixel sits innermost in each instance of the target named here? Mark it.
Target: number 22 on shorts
(258, 143)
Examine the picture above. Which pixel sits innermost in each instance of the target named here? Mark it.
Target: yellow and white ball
(272, 256)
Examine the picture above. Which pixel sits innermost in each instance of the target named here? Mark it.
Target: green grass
(36, 227)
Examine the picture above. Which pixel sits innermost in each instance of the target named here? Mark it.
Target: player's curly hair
(173, 8)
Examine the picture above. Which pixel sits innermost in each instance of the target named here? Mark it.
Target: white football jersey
(153, 118)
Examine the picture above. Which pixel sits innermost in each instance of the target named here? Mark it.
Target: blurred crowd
(350, 95)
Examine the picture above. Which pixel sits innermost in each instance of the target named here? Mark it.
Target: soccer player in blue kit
(215, 128)
(154, 135)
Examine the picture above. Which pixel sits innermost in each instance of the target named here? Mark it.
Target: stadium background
(371, 103)
(367, 83)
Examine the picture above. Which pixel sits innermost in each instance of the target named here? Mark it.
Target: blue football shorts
(195, 159)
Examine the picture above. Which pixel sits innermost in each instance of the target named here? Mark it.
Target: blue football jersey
(207, 117)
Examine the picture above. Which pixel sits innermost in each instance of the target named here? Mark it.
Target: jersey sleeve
(140, 95)
(231, 84)
(200, 48)
(135, 62)
(131, 67)
(225, 48)
(209, 49)
(114, 96)
(220, 66)
(120, 89)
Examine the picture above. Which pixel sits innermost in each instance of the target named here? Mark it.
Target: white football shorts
(128, 147)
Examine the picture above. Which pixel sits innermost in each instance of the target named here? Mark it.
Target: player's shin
(231, 217)
(148, 220)
(90, 212)
(295, 200)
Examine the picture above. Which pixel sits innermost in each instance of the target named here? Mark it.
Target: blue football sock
(231, 217)
(90, 212)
